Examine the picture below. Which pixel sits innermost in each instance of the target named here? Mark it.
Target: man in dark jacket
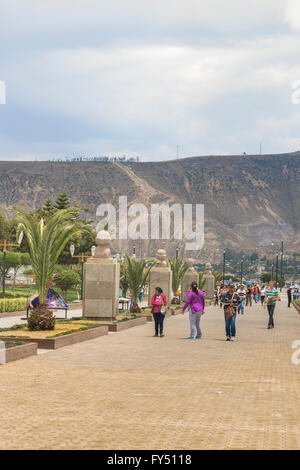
(289, 295)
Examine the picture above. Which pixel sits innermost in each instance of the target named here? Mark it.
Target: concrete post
(161, 276)
(101, 282)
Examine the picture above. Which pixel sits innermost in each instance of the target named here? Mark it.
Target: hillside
(249, 200)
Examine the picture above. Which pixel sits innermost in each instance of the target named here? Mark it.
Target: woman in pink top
(159, 302)
(195, 302)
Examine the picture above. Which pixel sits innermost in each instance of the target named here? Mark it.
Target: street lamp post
(272, 272)
(82, 257)
(176, 254)
(224, 260)
(6, 245)
(276, 269)
(281, 266)
(242, 266)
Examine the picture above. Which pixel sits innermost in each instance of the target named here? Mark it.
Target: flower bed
(296, 304)
(65, 333)
(15, 350)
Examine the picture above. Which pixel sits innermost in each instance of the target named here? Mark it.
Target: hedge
(13, 305)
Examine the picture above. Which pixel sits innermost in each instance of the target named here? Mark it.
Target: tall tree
(46, 242)
(137, 277)
(178, 267)
(62, 201)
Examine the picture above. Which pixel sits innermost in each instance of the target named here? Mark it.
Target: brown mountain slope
(248, 200)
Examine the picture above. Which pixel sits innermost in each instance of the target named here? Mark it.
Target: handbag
(229, 311)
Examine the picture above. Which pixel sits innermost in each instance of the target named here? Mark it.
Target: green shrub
(10, 294)
(13, 305)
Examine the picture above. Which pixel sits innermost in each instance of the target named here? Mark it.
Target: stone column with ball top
(161, 276)
(209, 283)
(190, 276)
(101, 282)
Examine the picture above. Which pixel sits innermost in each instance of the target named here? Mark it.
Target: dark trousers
(289, 300)
(159, 322)
(262, 299)
(271, 309)
(249, 300)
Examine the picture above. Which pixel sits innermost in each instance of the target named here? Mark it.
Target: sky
(148, 78)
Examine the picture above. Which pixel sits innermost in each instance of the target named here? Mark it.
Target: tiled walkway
(132, 391)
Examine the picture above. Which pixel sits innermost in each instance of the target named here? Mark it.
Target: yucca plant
(137, 275)
(178, 267)
(201, 280)
(218, 276)
(46, 242)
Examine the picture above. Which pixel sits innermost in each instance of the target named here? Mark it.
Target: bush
(12, 295)
(41, 319)
(13, 305)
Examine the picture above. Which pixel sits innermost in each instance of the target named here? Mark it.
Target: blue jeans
(241, 307)
(230, 326)
(271, 309)
(159, 322)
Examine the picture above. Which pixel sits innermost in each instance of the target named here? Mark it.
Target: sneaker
(228, 338)
(191, 337)
(155, 336)
(161, 335)
(232, 338)
(198, 336)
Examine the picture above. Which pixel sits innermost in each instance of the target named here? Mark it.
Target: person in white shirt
(241, 292)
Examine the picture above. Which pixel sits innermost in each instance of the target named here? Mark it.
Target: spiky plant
(137, 275)
(178, 267)
(47, 241)
(201, 280)
(218, 276)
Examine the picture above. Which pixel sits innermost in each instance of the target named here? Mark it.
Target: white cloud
(141, 76)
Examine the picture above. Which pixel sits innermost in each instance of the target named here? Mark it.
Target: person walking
(271, 298)
(255, 293)
(159, 303)
(262, 295)
(289, 296)
(231, 304)
(223, 291)
(195, 302)
(249, 296)
(216, 297)
(241, 292)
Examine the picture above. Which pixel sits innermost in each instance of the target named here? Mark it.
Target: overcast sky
(139, 77)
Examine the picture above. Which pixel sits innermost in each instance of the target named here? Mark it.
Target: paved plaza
(129, 390)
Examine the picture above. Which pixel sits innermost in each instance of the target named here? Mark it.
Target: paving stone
(129, 390)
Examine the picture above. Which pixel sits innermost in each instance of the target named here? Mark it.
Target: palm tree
(201, 280)
(137, 275)
(178, 268)
(47, 241)
(218, 276)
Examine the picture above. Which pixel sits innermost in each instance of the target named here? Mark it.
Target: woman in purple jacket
(196, 303)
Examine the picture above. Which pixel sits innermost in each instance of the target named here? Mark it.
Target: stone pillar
(190, 276)
(101, 282)
(161, 276)
(209, 284)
